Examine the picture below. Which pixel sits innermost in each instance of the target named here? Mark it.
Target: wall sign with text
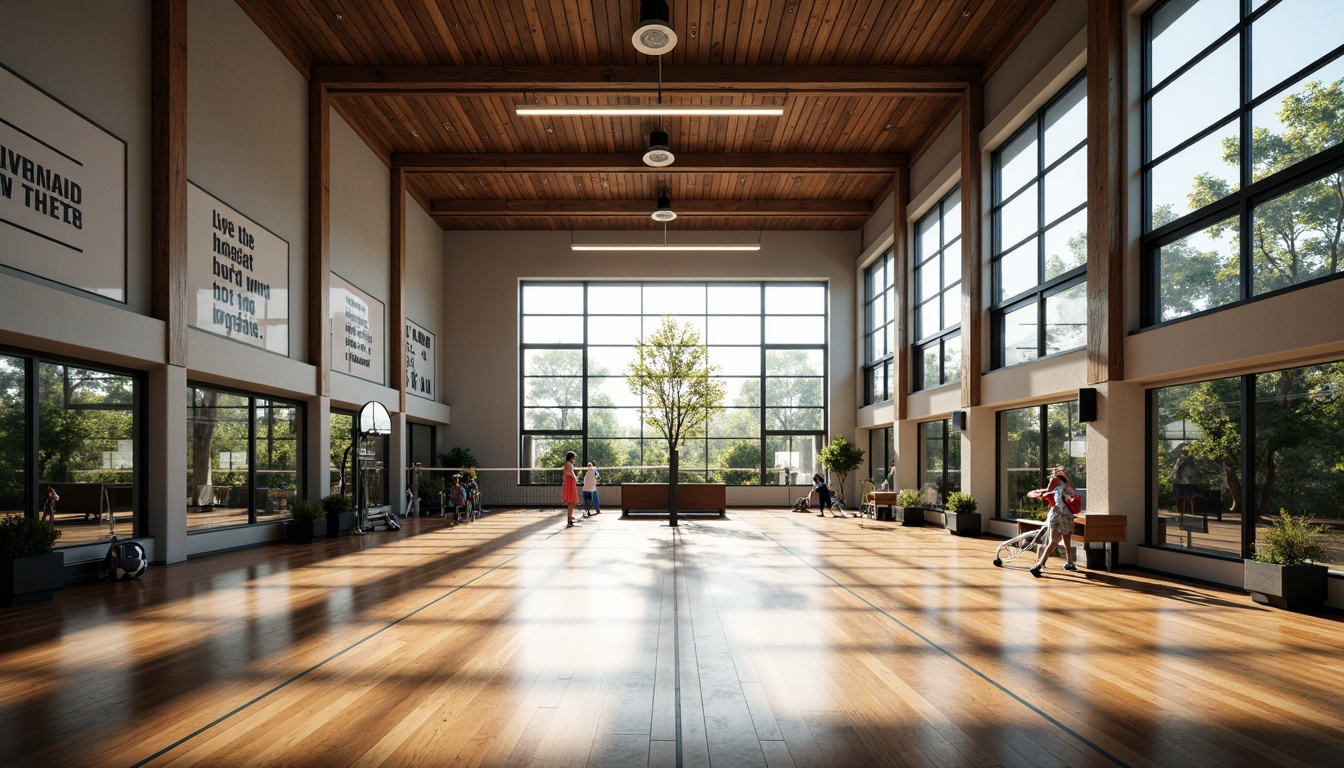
(62, 193)
(357, 332)
(419, 361)
(237, 275)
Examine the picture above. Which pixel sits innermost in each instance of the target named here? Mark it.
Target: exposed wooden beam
(1105, 191)
(903, 319)
(397, 305)
(168, 175)
(972, 286)
(925, 81)
(617, 162)
(319, 233)
(775, 208)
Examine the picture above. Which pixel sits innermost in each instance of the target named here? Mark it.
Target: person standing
(823, 493)
(569, 490)
(1184, 481)
(1060, 492)
(590, 477)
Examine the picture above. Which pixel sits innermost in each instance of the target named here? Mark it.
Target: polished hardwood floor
(766, 639)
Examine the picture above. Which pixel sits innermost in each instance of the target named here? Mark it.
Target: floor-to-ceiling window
(879, 294)
(244, 455)
(881, 455)
(940, 462)
(1243, 163)
(937, 281)
(766, 340)
(1039, 291)
(1293, 422)
(1031, 441)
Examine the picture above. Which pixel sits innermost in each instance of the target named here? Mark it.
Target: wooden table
(884, 500)
(1092, 528)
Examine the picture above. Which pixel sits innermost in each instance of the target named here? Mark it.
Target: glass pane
(928, 281)
(737, 422)
(1020, 461)
(1066, 319)
(928, 320)
(651, 324)
(875, 278)
(554, 390)
(609, 361)
(791, 459)
(1198, 426)
(1066, 186)
(552, 362)
(794, 362)
(1066, 123)
(1019, 218)
(1020, 339)
(1201, 174)
(13, 441)
(739, 459)
(933, 444)
(1299, 122)
(279, 442)
(217, 459)
(927, 238)
(618, 452)
(1291, 241)
(736, 361)
(795, 330)
(952, 358)
(1205, 93)
(553, 418)
(808, 419)
(1290, 36)
(547, 452)
(1017, 271)
(338, 432)
(614, 422)
(952, 216)
(735, 299)
(618, 329)
(1199, 271)
(552, 299)
(606, 299)
(1182, 28)
(930, 376)
(733, 330)
(795, 299)
(544, 329)
(1066, 245)
(674, 299)
(953, 467)
(792, 392)
(611, 390)
(1016, 163)
(952, 263)
(1066, 443)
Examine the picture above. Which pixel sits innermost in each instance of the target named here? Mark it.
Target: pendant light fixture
(654, 36)
(659, 154)
(664, 212)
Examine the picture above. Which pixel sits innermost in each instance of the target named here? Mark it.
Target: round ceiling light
(654, 36)
(664, 211)
(659, 154)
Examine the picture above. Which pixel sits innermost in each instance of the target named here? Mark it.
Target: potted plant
(431, 485)
(29, 570)
(309, 522)
(960, 514)
(908, 507)
(340, 512)
(1287, 568)
(841, 457)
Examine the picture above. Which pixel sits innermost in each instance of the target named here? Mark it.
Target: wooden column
(168, 174)
(901, 320)
(972, 266)
(398, 303)
(1105, 191)
(319, 233)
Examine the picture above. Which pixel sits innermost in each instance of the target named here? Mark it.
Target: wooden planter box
(31, 579)
(1292, 588)
(691, 497)
(307, 531)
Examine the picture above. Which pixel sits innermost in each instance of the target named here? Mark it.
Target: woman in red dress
(569, 492)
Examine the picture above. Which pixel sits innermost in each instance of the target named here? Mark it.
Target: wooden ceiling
(431, 86)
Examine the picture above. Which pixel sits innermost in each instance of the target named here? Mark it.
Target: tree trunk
(1233, 488)
(673, 464)
(202, 437)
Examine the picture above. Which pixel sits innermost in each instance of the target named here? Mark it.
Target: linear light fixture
(663, 247)
(646, 109)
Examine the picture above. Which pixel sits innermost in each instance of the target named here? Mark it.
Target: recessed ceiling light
(659, 154)
(654, 36)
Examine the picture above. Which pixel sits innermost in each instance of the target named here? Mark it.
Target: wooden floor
(767, 639)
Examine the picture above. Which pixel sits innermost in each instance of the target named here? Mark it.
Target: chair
(866, 506)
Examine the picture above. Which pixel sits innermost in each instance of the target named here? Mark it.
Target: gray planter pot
(1292, 588)
(910, 516)
(307, 531)
(340, 524)
(31, 579)
(963, 523)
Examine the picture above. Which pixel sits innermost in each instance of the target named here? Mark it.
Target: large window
(937, 281)
(1031, 441)
(881, 456)
(879, 293)
(1294, 422)
(1039, 299)
(940, 462)
(1243, 171)
(243, 459)
(767, 340)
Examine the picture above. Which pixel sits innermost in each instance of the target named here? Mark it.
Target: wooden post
(398, 283)
(319, 233)
(901, 325)
(1105, 191)
(972, 353)
(168, 174)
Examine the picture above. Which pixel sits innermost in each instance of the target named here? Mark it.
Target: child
(590, 491)
(473, 495)
(457, 496)
(1062, 497)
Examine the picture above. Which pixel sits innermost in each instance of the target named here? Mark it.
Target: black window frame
(948, 330)
(878, 370)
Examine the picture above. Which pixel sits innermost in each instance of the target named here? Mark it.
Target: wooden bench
(651, 498)
(1091, 528)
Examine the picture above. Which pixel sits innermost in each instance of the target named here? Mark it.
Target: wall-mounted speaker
(958, 421)
(1087, 404)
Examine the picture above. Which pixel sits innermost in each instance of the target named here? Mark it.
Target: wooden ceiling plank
(445, 43)
(281, 34)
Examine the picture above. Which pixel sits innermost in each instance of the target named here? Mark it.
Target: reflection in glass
(1287, 249)
(952, 358)
(1199, 426)
(1290, 126)
(940, 470)
(1020, 335)
(278, 450)
(1031, 442)
(1066, 319)
(217, 459)
(1198, 272)
(13, 443)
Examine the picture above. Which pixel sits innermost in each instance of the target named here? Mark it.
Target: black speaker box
(958, 421)
(1087, 404)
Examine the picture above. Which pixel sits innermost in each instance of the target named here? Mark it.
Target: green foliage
(841, 457)
(431, 485)
(22, 536)
(745, 458)
(337, 503)
(1292, 540)
(961, 503)
(908, 497)
(671, 372)
(458, 457)
(308, 509)
(1033, 509)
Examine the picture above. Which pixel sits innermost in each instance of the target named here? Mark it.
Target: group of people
(464, 499)
(569, 491)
